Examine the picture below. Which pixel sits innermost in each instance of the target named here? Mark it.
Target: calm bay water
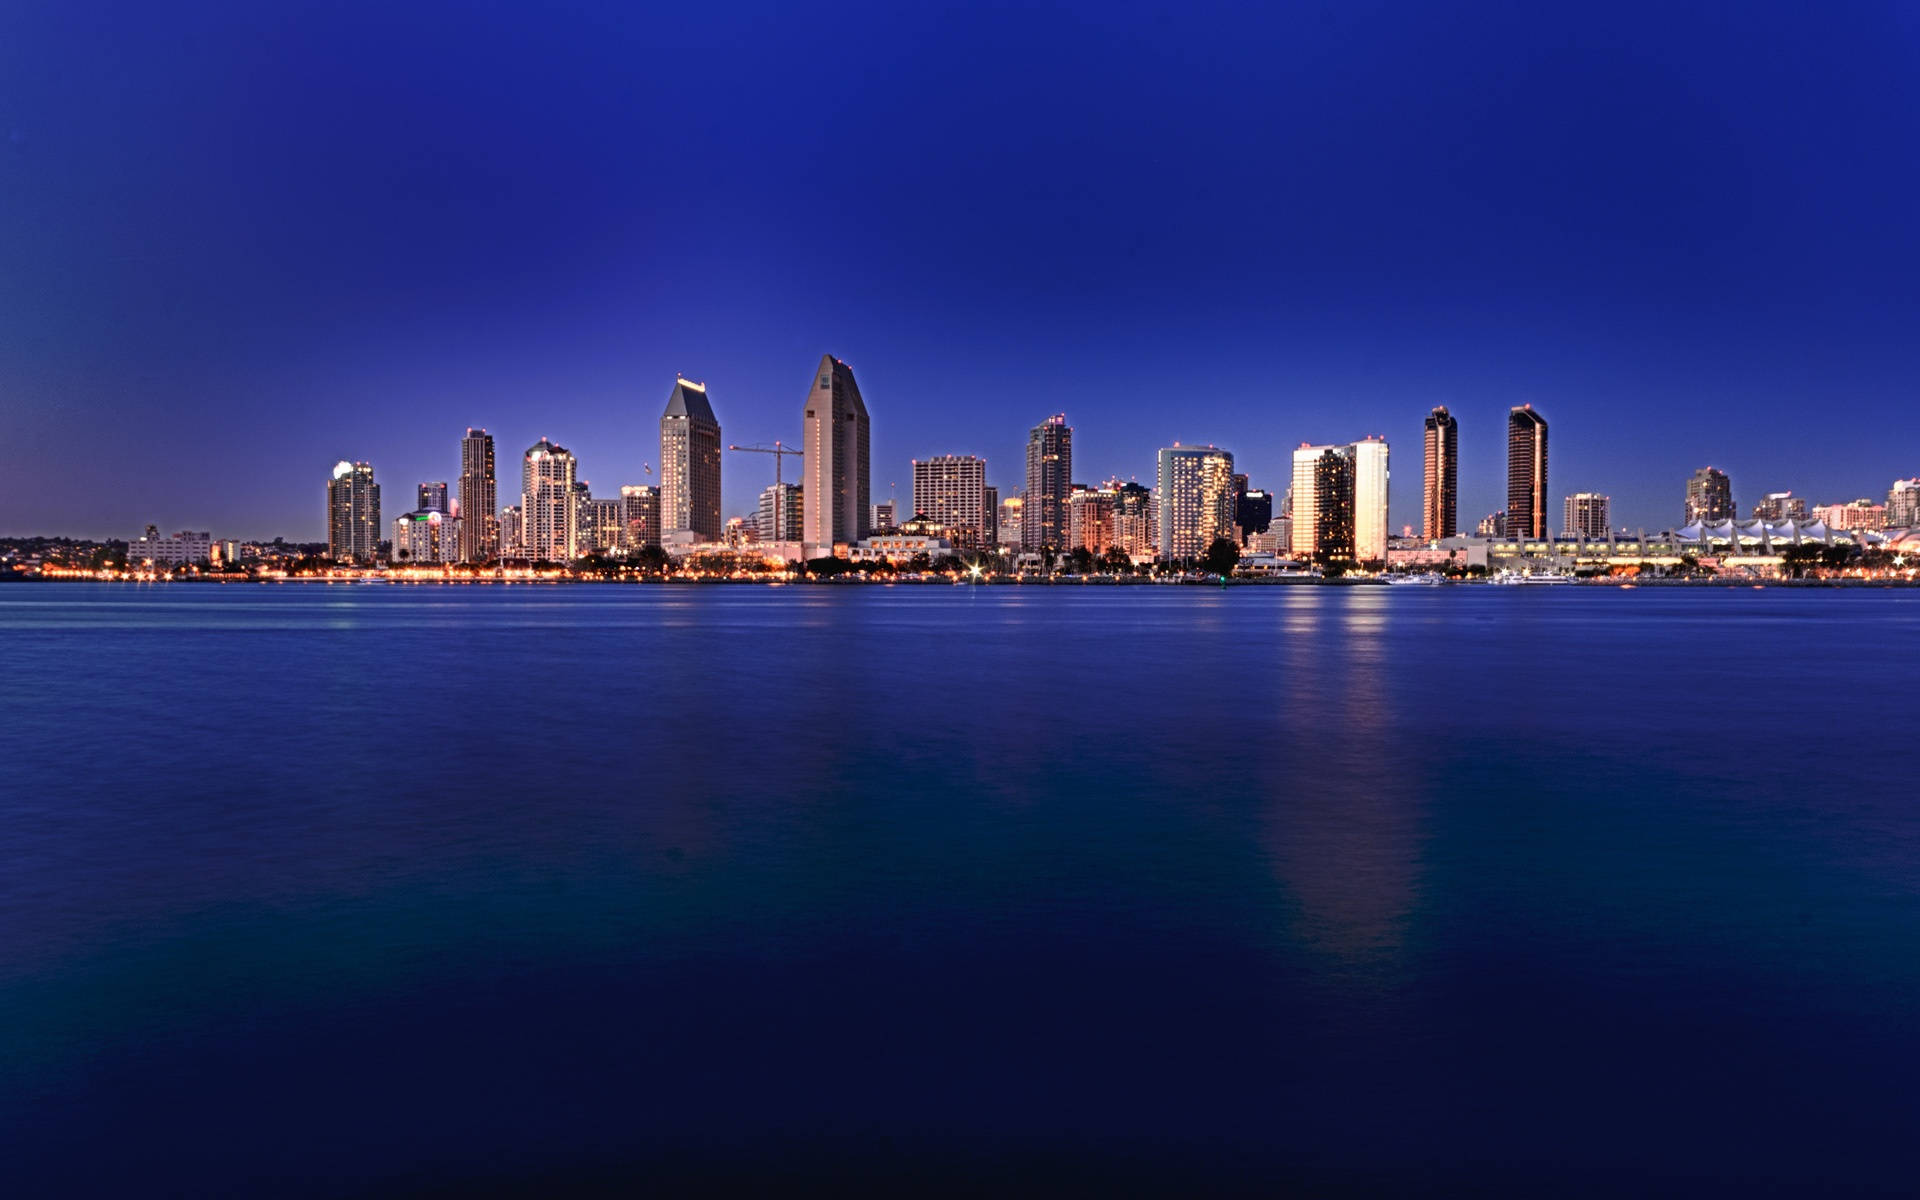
(363, 890)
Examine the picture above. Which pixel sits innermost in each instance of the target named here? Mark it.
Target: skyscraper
(1008, 526)
(1526, 473)
(689, 465)
(1043, 517)
(1440, 506)
(353, 513)
(1252, 511)
(639, 516)
(512, 544)
(1586, 515)
(1195, 488)
(1090, 519)
(479, 527)
(1340, 496)
(779, 518)
(1136, 526)
(836, 495)
(1709, 497)
(1780, 506)
(951, 490)
(993, 516)
(547, 513)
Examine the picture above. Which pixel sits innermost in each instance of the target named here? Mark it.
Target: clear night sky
(239, 242)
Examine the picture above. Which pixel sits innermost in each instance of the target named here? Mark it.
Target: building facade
(1043, 517)
(353, 513)
(425, 536)
(1856, 516)
(639, 517)
(1526, 473)
(836, 494)
(479, 528)
(1586, 515)
(1090, 519)
(1340, 496)
(884, 517)
(1195, 489)
(1903, 504)
(548, 528)
(690, 464)
(1009, 523)
(1709, 498)
(1440, 496)
(1136, 525)
(951, 491)
(152, 550)
(512, 534)
(779, 518)
(1780, 506)
(602, 523)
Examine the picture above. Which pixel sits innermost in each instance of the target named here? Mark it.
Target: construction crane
(780, 454)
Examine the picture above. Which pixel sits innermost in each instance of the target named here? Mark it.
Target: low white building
(152, 550)
(425, 537)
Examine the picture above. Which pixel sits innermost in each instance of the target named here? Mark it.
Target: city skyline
(1671, 248)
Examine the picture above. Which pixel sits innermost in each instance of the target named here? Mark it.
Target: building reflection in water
(1342, 827)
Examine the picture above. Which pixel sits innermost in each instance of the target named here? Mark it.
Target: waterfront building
(1009, 523)
(901, 546)
(1440, 500)
(639, 516)
(1781, 506)
(1195, 489)
(835, 499)
(1340, 501)
(778, 518)
(152, 550)
(512, 541)
(480, 529)
(1855, 516)
(353, 513)
(690, 464)
(993, 517)
(1090, 518)
(1252, 509)
(951, 490)
(884, 517)
(1526, 473)
(1043, 518)
(1709, 497)
(602, 523)
(1136, 525)
(1586, 514)
(1903, 504)
(425, 536)
(548, 528)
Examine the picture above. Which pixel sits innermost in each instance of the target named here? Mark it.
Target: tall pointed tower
(690, 464)
(834, 494)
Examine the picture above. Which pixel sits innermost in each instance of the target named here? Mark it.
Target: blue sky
(238, 243)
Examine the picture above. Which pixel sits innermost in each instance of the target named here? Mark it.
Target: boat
(1428, 580)
(1541, 579)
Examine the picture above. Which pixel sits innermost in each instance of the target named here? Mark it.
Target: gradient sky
(240, 242)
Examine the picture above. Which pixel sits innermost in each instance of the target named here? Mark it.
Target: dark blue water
(375, 890)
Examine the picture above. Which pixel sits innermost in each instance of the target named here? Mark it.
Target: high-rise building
(993, 516)
(836, 495)
(426, 536)
(1440, 504)
(1043, 518)
(1195, 489)
(1903, 504)
(1709, 497)
(1586, 515)
(690, 464)
(480, 528)
(884, 518)
(548, 528)
(639, 516)
(433, 497)
(512, 533)
(600, 523)
(1340, 501)
(1780, 506)
(1252, 511)
(1009, 523)
(951, 490)
(353, 513)
(1526, 473)
(1090, 518)
(779, 518)
(1136, 526)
